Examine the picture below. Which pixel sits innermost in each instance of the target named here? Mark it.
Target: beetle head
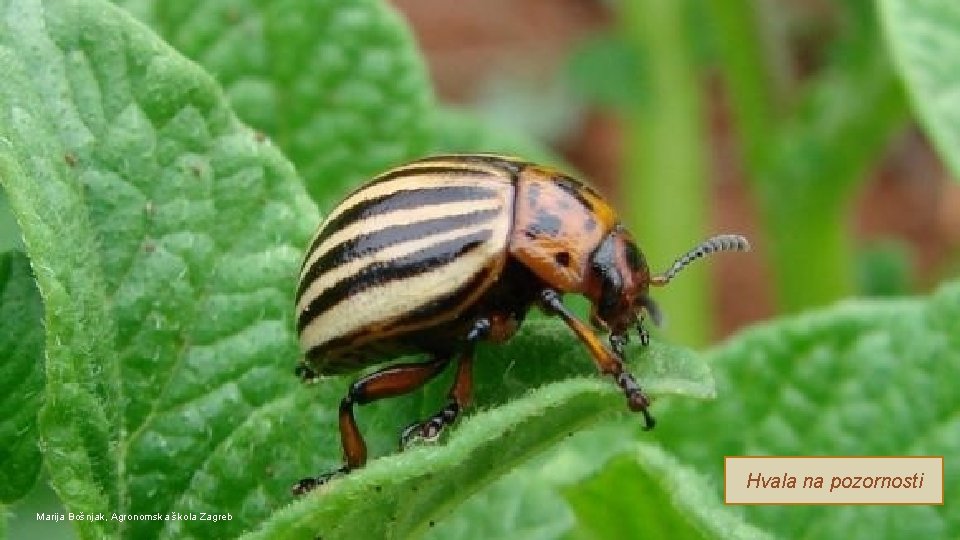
(620, 279)
(618, 284)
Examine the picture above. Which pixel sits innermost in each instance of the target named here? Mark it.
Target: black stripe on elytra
(399, 200)
(372, 242)
(383, 272)
(506, 164)
(437, 306)
(444, 304)
(416, 171)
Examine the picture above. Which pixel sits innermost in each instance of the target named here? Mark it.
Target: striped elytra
(407, 251)
(437, 255)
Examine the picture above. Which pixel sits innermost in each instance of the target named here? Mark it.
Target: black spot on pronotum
(70, 159)
(547, 224)
(634, 258)
(562, 258)
(529, 234)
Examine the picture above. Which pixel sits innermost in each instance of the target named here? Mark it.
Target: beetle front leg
(608, 362)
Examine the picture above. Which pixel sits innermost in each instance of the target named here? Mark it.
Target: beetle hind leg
(388, 382)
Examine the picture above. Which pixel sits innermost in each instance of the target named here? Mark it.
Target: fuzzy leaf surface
(165, 236)
(403, 495)
(924, 36)
(339, 85)
(862, 378)
(21, 376)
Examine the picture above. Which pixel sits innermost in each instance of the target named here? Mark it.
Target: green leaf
(646, 493)
(526, 503)
(401, 495)
(9, 232)
(924, 36)
(21, 376)
(81, 379)
(165, 236)
(863, 378)
(530, 501)
(339, 85)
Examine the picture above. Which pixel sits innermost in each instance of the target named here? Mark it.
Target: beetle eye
(634, 257)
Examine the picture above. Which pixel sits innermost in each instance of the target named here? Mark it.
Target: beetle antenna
(714, 244)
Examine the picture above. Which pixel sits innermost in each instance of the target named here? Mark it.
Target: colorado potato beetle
(433, 256)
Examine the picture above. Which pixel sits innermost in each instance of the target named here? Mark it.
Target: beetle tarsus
(649, 421)
(457, 400)
(430, 430)
(304, 486)
(307, 485)
(618, 342)
(637, 399)
(306, 373)
(481, 329)
(643, 333)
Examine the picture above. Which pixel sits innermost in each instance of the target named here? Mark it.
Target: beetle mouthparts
(652, 309)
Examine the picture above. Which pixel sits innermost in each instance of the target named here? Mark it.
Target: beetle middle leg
(459, 396)
(388, 382)
(608, 363)
(457, 400)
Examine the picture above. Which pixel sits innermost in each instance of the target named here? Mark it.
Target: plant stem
(805, 167)
(664, 185)
(750, 90)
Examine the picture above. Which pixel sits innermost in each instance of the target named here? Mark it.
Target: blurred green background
(785, 121)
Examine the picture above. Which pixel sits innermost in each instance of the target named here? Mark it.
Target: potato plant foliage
(162, 167)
